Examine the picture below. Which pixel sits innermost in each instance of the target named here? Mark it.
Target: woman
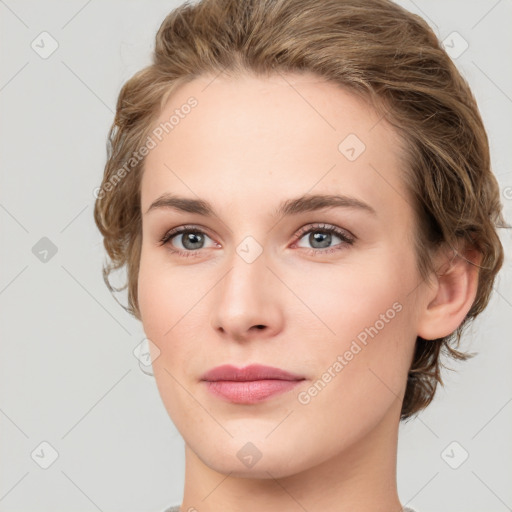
(302, 195)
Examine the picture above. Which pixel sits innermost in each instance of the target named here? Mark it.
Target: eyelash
(322, 228)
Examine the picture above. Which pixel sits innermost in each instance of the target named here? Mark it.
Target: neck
(360, 479)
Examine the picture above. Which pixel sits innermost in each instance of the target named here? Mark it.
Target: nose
(246, 303)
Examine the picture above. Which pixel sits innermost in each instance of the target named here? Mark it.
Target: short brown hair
(373, 48)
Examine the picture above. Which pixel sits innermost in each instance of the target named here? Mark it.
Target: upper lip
(249, 373)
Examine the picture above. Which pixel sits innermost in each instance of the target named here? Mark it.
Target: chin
(243, 459)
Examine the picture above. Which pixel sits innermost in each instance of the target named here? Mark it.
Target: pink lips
(249, 385)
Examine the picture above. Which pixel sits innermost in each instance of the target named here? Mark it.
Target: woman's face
(327, 292)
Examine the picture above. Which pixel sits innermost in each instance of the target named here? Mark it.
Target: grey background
(68, 375)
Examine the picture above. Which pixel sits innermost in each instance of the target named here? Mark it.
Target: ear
(452, 295)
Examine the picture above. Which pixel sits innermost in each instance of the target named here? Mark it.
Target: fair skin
(248, 145)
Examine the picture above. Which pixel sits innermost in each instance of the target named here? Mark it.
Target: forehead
(276, 136)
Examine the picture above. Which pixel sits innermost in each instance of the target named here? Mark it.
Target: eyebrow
(305, 203)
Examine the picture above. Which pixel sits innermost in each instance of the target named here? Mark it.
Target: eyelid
(169, 234)
(319, 226)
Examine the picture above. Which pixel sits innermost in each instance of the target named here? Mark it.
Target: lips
(249, 385)
(249, 373)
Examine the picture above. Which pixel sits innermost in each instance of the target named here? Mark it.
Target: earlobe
(456, 287)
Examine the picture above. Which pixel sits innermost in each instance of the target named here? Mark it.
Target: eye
(320, 236)
(190, 238)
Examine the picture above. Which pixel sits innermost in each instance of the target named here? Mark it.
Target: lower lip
(249, 392)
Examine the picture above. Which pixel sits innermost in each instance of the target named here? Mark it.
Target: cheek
(164, 315)
(371, 325)
(344, 300)
(157, 296)
(170, 302)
